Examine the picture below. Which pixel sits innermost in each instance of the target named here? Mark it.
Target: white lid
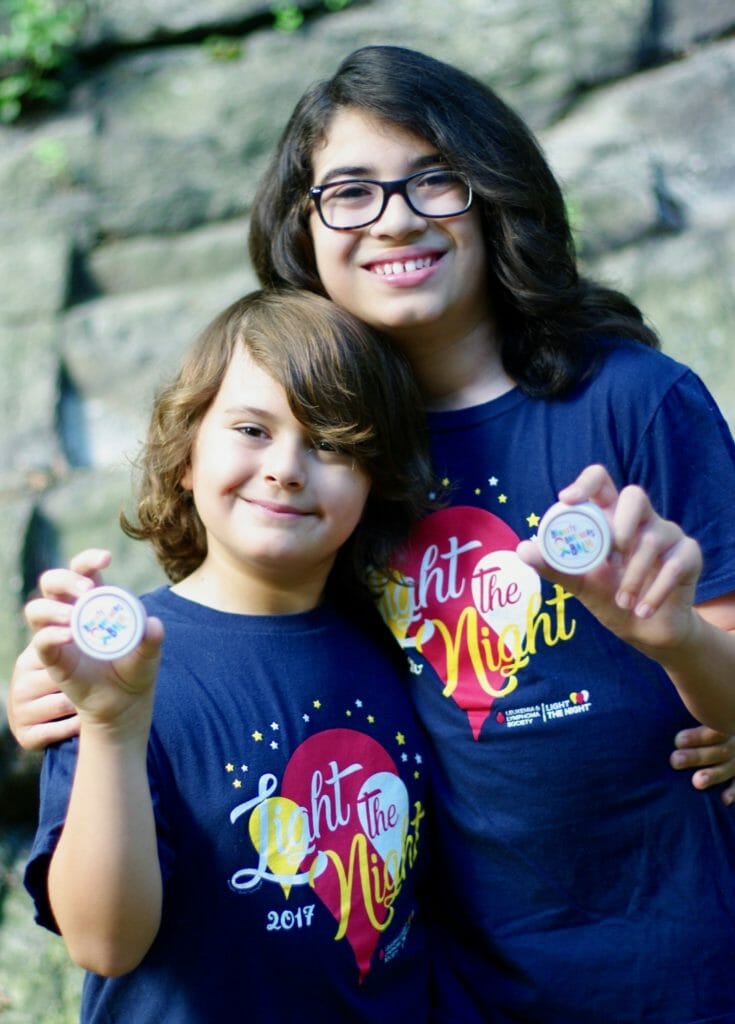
(574, 538)
(108, 623)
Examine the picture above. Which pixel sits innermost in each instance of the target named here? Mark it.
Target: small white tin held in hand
(574, 538)
(108, 623)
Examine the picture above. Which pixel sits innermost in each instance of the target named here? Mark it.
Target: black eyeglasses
(356, 202)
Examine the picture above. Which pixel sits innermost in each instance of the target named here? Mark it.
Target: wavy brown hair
(344, 383)
(549, 316)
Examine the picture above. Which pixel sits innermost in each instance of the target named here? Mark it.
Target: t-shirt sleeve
(686, 463)
(57, 776)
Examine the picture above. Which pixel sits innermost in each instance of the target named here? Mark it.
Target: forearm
(702, 668)
(104, 878)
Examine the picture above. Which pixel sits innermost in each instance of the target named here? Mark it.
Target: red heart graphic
(466, 606)
(356, 807)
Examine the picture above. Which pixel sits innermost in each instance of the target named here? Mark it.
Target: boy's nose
(285, 465)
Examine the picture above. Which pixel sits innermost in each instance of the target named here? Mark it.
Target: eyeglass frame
(399, 186)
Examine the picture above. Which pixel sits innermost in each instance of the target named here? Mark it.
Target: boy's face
(275, 503)
(410, 276)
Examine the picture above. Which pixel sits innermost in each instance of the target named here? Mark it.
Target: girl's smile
(404, 273)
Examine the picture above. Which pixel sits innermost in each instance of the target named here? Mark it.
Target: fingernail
(643, 611)
(623, 600)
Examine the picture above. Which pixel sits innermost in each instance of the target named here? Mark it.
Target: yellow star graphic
(371, 719)
(533, 520)
(229, 767)
(478, 490)
(502, 498)
(237, 784)
(257, 735)
(316, 704)
(348, 713)
(445, 482)
(400, 739)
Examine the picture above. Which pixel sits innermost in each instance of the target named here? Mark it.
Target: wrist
(127, 730)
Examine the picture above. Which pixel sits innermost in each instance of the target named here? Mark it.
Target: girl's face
(276, 503)
(407, 275)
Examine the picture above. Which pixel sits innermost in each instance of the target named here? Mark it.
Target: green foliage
(288, 17)
(223, 47)
(34, 48)
(53, 156)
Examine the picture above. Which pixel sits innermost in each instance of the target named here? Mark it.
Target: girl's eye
(323, 446)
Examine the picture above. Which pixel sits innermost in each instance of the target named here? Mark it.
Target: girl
(245, 831)
(581, 878)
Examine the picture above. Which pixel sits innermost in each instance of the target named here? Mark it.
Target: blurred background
(132, 136)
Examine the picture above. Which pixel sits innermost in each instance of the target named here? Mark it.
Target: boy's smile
(275, 503)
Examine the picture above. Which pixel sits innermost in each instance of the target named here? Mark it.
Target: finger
(705, 778)
(63, 584)
(702, 736)
(594, 483)
(51, 642)
(37, 737)
(530, 553)
(633, 514)
(728, 795)
(50, 706)
(90, 563)
(43, 612)
(718, 758)
(663, 559)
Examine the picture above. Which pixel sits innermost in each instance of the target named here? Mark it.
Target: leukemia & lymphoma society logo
(577, 703)
(471, 607)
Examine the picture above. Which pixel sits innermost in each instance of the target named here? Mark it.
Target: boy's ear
(186, 481)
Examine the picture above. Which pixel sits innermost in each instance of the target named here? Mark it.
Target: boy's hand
(103, 692)
(38, 712)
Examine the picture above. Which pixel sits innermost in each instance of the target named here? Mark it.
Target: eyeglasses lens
(355, 203)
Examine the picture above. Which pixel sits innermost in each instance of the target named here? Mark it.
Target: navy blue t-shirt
(582, 878)
(289, 782)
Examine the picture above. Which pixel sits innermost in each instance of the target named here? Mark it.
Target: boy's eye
(249, 430)
(329, 452)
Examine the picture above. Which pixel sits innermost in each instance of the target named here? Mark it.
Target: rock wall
(123, 221)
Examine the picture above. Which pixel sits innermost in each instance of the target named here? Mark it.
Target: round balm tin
(108, 623)
(574, 538)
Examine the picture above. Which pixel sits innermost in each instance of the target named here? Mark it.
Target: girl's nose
(398, 219)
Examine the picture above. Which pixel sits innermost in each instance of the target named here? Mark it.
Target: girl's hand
(644, 592)
(39, 713)
(712, 753)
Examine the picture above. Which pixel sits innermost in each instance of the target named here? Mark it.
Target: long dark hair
(548, 315)
(344, 383)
